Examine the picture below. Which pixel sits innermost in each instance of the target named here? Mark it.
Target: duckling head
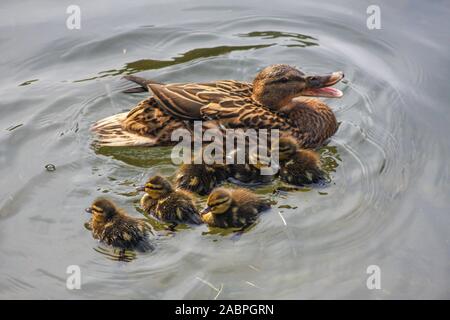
(287, 147)
(219, 201)
(103, 208)
(275, 86)
(157, 187)
(260, 157)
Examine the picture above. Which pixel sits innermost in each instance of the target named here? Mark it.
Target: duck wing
(184, 100)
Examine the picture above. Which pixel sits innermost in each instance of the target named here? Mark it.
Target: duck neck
(270, 101)
(313, 120)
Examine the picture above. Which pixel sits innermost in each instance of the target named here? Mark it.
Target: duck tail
(140, 81)
(109, 133)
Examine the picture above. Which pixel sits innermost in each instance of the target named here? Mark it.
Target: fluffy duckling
(252, 171)
(200, 178)
(113, 226)
(167, 204)
(232, 208)
(298, 166)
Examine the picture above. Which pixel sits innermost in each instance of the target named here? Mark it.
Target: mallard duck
(232, 208)
(272, 101)
(113, 226)
(298, 166)
(167, 204)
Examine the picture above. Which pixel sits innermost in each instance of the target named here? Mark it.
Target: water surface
(387, 204)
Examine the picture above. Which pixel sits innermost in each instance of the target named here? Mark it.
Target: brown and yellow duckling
(298, 166)
(200, 178)
(201, 175)
(232, 208)
(167, 204)
(113, 226)
(252, 171)
(275, 100)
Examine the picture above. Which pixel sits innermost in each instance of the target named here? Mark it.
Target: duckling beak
(141, 188)
(319, 86)
(205, 211)
(88, 210)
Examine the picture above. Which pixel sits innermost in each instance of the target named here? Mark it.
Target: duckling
(200, 178)
(232, 208)
(167, 204)
(113, 226)
(298, 166)
(251, 172)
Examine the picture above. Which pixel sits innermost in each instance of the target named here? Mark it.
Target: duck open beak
(319, 86)
(205, 211)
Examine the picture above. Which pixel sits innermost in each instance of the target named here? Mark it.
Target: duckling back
(178, 206)
(243, 211)
(302, 168)
(200, 178)
(123, 232)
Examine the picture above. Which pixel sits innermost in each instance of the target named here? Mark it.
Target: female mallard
(298, 166)
(167, 204)
(116, 228)
(272, 101)
(232, 208)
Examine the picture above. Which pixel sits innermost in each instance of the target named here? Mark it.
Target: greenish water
(387, 204)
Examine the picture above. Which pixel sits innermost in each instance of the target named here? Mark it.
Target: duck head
(102, 208)
(275, 86)
(219, 201)
(157, 187)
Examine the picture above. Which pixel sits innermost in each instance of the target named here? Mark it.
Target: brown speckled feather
(184, 100)
(122, 231)
(227, 102)
(243, 211)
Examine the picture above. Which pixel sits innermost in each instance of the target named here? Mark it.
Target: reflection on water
(150, 64)
(117, 254)
(28, 82)
(330, 158)
(386, 202)
(300, 40)
(141, 157)
(293, 40)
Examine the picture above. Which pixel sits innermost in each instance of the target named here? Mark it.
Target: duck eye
(283, 80)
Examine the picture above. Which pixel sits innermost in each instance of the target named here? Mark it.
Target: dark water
(387, 205)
